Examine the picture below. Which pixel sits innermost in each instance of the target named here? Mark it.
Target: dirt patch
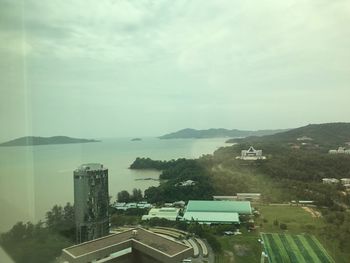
(312, 212)
(229, 255)
(241, 250)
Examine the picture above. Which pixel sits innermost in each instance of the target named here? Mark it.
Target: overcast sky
(88, 68)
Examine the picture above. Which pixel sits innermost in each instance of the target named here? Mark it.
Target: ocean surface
(35, 178)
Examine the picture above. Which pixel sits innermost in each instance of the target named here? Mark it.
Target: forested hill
(325, 134)
(31, 140)
(215, 133)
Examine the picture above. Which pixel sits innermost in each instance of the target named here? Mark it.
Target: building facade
(330, 181)
(91, 201)
(251, 154)
(341, 150)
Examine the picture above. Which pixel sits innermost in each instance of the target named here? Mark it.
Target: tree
(283, 226)
(27, 243)
(123, 196)
(54, 218)
(136, 195)
(61, 220)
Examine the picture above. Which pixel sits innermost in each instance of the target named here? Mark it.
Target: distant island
(136, 139)
(216, 133)
(32, 140)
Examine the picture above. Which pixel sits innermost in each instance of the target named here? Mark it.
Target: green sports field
(284, 248)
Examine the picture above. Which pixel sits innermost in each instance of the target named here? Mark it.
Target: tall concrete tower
(91, 202)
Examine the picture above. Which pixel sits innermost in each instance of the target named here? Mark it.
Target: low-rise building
(238, 197)
(341, 150)
(304, 138)
(345, 181)
(302, 202)
(143, 205)
(251, 154)
(186, 183)
(225, 198)
(126, 206)
(216, 212)
(179, 203)
(169, 213)
(133, 246)
(330, 181)
(248, 196)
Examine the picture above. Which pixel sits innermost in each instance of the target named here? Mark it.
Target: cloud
(175, 56)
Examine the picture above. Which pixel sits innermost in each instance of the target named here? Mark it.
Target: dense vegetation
(174, 172)
(147, 163)
(125, 196)
(297, 173)
(26, 242)
(337, 229)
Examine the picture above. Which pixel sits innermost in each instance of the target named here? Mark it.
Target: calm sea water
(33, 179)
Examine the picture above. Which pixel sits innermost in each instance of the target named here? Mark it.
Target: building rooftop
(170, 213)
(240, 207)
(212, 217)
(91, 167)
(156, 244)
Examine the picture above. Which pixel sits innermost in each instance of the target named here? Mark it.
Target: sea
(35, 178)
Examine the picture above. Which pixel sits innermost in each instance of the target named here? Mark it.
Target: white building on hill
(186, 183)
(304, 138)
(330, 181)
(251, 154)
(341, 150)
(345, 181)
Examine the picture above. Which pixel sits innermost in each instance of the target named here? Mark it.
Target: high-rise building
(91, 201)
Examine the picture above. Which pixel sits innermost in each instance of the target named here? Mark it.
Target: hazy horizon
(146, 68)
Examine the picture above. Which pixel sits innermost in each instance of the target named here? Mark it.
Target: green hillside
(323, 134)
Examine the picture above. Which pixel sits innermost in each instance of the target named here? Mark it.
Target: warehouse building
(169, 213)
(216, 212)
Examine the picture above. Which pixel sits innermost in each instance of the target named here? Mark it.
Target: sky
(114, 68)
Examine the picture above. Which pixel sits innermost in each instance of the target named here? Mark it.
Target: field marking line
(305, 253)
(281, 248)
(295, 249)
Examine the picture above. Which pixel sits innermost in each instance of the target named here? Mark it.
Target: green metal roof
(212, 217)
(240, 207)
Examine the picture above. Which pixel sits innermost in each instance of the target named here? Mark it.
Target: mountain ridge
(189, 133)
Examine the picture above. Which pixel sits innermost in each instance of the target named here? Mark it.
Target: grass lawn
(294, 249)
(243, 248)
(297, 219)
